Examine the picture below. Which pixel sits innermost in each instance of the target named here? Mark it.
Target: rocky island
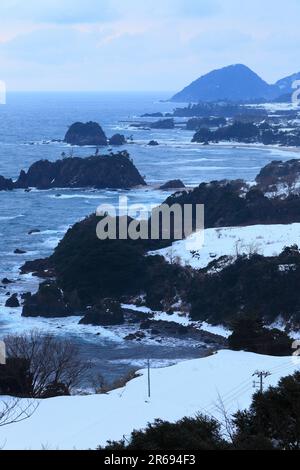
(90, 133)
(114, 171)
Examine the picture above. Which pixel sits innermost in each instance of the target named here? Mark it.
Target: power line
(261, 375)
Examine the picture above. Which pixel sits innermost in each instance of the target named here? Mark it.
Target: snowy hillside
(268, 240)
(185, 389)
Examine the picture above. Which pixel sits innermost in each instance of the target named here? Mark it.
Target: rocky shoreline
(119, 270)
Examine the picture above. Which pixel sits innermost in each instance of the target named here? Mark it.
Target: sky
(140, 45)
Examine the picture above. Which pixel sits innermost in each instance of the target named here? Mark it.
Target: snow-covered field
(83, 422)
(268, 240)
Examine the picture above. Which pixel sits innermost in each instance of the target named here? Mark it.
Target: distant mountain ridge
(235, 83)
(285, 84)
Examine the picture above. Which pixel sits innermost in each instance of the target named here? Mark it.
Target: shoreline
(254, 146)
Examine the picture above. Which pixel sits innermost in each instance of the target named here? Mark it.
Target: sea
(29, 125)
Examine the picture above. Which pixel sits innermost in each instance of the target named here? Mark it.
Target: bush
(201, 433)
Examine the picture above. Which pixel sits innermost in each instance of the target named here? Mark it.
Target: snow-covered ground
(268, 240)
(83, 422)
(182, 318)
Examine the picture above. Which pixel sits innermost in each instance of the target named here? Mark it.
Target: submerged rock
(90, 133)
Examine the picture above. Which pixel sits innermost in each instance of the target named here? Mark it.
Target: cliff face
(114, 171)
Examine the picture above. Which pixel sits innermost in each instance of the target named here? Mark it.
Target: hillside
(82, 422)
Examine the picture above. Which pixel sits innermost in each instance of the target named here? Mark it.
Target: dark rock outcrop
(6, 184)
(106, 313)
(153, 143)
(173, 184)
(18, 251)
(49, 302)
(13, 301)
(117, 140)
(155, 115)
(163, 124)
(250, 132)
(110, 171)
(89, 133)
(40, 267)
(196, 123)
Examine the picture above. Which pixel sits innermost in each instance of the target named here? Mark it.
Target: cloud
(136, 44)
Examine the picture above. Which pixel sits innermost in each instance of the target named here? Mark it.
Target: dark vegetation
(220, 110)
(266, 286)
(271, 423)
(196, 123)
(250, 334)
(40, 366)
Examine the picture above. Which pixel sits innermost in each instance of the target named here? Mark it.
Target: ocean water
(29, 122)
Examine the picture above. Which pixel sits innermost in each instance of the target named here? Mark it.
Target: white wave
(78, 196)
(11, 217)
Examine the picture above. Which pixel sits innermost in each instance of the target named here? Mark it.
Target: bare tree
(16, 410)
(53, 365)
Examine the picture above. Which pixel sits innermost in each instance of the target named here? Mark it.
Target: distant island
(91, 133)
(237, 83)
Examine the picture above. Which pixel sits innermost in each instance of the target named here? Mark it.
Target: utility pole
(149, 379)
(261, 375)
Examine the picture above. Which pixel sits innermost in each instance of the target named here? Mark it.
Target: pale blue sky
(142, 44)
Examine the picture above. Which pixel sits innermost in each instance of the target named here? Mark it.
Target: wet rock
(6, 281)
(106, 313)
(117, 139)
(33, 231)
(13, 301)
(39, 267)
(153, 143)
(6, 184)
(48, 302)
(138, 336)
(173, 184)
(19, 252)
